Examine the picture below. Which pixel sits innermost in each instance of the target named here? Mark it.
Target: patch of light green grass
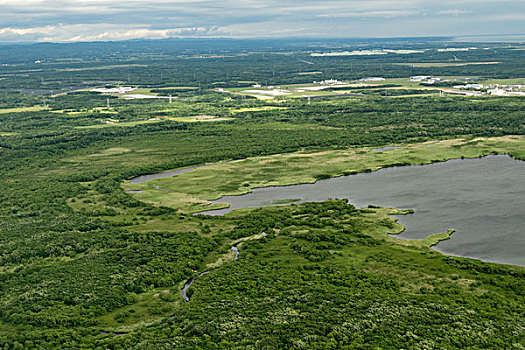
(23, 109)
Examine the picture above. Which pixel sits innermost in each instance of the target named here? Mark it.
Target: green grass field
(22, 109)
(194, 119)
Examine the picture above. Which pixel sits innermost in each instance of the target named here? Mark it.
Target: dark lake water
(151, 177)
(482, 199)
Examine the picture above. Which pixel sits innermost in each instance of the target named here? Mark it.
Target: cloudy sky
(94, 20)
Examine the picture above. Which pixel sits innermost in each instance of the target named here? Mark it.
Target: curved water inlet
(164, 174)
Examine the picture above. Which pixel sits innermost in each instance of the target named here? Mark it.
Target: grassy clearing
(85, 111)
(518, 81)
(194, 119)
(110, 152)
(148, 308)
(198, 118)
(23, 109)
(192, 191)
(135, 221)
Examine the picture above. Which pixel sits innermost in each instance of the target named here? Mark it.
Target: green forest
(84, 264)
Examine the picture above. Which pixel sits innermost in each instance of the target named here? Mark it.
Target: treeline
(242, 64)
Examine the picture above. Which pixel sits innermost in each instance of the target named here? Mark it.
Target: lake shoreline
(211, 211)
(424, 228)
(443, 151)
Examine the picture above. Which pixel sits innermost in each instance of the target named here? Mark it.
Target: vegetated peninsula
(95, 252)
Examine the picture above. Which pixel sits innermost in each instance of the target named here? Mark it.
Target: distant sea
(490, 38)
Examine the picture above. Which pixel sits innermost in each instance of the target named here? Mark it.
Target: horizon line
(211, 38)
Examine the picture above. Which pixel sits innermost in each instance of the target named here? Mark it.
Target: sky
(109, 20)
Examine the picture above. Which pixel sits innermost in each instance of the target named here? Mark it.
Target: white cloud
(38, 20)
(26, 31)
(454, 12)
(507, 17)
(95, 32)
(380, 14)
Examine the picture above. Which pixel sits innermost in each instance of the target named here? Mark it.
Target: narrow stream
(191, 280)
(236, 251)
(184, 290)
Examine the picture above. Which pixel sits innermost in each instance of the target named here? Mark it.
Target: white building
(369, 79)
(469, 86)
(328, 82)
(418, 78)
(117, 90)
(501, 92)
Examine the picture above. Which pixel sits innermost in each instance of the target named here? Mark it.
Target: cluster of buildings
(372, 79)
(116, 90)
(426, 79)
(506, 90)
(464, 86)
(469, 87)
(328, 82)
(473, 89)
(495, 89)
